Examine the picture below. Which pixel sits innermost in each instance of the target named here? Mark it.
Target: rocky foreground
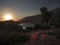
(30, 38)
(40, 38)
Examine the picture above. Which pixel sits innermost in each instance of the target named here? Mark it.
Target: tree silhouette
(43, 10)
(45, 16)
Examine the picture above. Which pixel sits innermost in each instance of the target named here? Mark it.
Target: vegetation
(11, 32)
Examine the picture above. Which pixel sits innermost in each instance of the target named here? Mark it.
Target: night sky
(23, 8)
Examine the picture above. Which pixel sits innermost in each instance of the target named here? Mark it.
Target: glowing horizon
(7, 16)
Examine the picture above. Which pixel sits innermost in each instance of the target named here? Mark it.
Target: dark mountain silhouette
(36, 19)
(31, 19)
(10, 26)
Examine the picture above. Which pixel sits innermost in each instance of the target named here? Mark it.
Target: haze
(23, 8)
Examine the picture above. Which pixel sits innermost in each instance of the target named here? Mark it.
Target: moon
(8, 17)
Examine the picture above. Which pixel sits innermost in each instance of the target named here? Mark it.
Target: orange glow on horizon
(8, 17)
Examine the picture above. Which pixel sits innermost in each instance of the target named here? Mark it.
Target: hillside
(36, 19)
